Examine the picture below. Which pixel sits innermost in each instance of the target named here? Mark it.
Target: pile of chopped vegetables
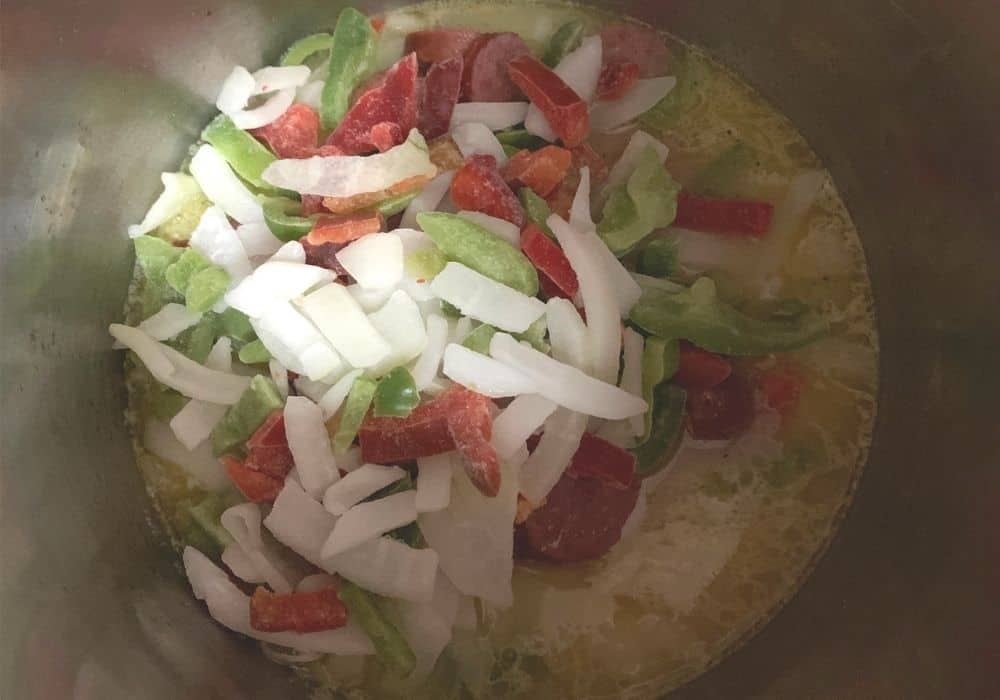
(425, 327)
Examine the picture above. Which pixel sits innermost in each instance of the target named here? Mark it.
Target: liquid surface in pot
(727, 532)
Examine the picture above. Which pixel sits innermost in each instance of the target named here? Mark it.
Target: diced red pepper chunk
(439, 45)
(723, 215)
(257, 486)
(548, 257)
(441, 89)
(295, 134)
(344, 229)
(700, 369)
(478, 454)
(723, 412)
(479, 186)
(599, 459)
(781, 387)
(616, 79)
(565, 111)
(267, 448)
(541, 170)
(550, 290)
(313, 611)
(391, 100)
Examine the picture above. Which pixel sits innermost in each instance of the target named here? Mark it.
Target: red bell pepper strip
(541, 170)
(723, 215)
(479, 186)
(549, 289)
(344, 229)
(478, 455)
(781, 388)
(257, 486)
(599, 459)
(313, 611)
(565, 111)
(442, 87)
(616, 79)
(546, 255)
(267, 448)
(700, 369)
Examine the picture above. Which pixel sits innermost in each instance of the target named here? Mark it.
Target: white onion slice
(243, 522)
(400, 322)
(370, 299)
(220, 357)
(516, 423)
(426, 632)
(426, 367)
(275, 281)
(631, 382)
(504, 229)
(216, 239)
(290, 252)
(279, 375)
(195, 421)
(297, 344)
(350, 460)
(483, 374)
(316, 582)
(598, 293)
(179, 372)
(389, 567)
(415, 239)
(311, 94)
(300, 522)
(178, 188)
(359, 485)
(434, 481)
(580, 69)
(169, 321)
(474, 139)
(579, 212)
(626, 163)
(567, 334)
(200, 464)
(460, 330)
(242, 566)
(237, 89)
(347, 176)
(640, 98)
(332, 400)
(555, 450)
(375, 260)
(276, 105)
(566, 385)
(494, 115)
(371, 519)
(474, 537)
(274, 78)
(341, 320)
(221, 185)
(486, 300)
(257, 239)
(231, 608)
(427, 200)
(310, 445)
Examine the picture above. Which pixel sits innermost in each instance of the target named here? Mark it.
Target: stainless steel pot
(898, 97)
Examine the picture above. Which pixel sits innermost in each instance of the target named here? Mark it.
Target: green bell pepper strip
(717, 179)
(179, 274)
(155, 256)
(519, 139)
(509, 150)
(254, 353)
(207, 515)
(391, 206)
(351, 54)
(164, 403)
(450, 310)
(537, 209)
(535, 335)
(236, 325)
(205, 288)
(391, 647)
(658, 258)
(667, 431)
(483, 251)
(697, 314)
(565, 39)
(424, 264)
(297, 53)
(660, 359)
(245, 154)
(646, 202)
(196, 342)
(396, 394)
(281, 216)
(240, 421)
(479, 339)
(351, 416)
(692, 77)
